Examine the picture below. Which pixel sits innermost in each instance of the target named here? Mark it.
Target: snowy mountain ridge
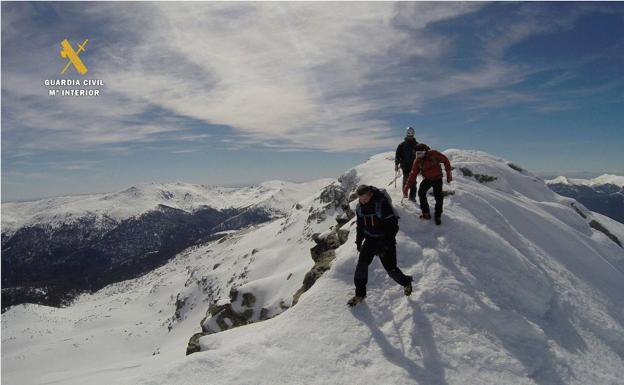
(516, 287)
(278, 196)
(602, 179)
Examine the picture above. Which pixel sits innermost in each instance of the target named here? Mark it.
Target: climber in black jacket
(377, 226)
(404, 158)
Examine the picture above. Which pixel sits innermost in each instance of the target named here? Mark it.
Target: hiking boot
(412, 199)
(438, 221)
(407, 289)
(355, 300)
(425, 216)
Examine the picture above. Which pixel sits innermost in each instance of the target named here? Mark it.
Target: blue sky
(236, 93)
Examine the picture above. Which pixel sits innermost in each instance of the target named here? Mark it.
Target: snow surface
(602, 179)
(515, 288)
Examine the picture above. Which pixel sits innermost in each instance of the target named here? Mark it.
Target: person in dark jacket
(428, 163)
(404, 158)
(377, 226)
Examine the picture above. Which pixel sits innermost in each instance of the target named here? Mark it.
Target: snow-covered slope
(276, 196)
(515, 287)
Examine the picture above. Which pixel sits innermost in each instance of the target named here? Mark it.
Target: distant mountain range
(54, 249)
(604, 194)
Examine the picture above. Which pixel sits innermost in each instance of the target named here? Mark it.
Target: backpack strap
(378, 208)
(378, 205)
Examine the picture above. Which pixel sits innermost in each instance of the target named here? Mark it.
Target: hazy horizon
(547, 175)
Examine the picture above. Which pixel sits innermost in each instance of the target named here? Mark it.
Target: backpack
(378, 203)
(430, 156)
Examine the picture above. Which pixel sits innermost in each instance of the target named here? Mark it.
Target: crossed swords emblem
(69, 53)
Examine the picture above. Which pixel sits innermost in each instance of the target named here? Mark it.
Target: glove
(396, 167)
(449, 178)
(358, 245)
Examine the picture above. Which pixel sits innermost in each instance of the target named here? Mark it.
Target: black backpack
(379, 202)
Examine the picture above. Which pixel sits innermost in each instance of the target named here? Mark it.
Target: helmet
(409, 131)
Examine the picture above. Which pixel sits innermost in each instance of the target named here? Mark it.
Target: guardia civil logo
(68, 86)
(68, 52)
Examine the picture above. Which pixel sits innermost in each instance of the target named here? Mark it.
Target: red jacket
(430, 167)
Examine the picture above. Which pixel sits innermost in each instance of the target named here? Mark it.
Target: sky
(237, 93)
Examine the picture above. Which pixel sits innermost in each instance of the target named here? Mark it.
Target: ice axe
(396, 176)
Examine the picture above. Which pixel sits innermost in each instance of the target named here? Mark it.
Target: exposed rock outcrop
(222, 315)
(323, 253)
(241, 308)
(481, 178)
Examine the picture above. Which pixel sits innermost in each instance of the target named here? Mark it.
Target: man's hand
(396, 167)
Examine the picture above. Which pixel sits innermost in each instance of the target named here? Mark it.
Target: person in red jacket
(428, 163)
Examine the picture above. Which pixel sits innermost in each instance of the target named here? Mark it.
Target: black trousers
(425, 185)
(412, 187)
(387, 254)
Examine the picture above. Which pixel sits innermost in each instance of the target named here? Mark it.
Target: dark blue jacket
(376, 219)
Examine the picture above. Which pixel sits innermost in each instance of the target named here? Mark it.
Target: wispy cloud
(282, 76)
(26, 175)
(556, 107)
(183, 151)
(560, 79)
